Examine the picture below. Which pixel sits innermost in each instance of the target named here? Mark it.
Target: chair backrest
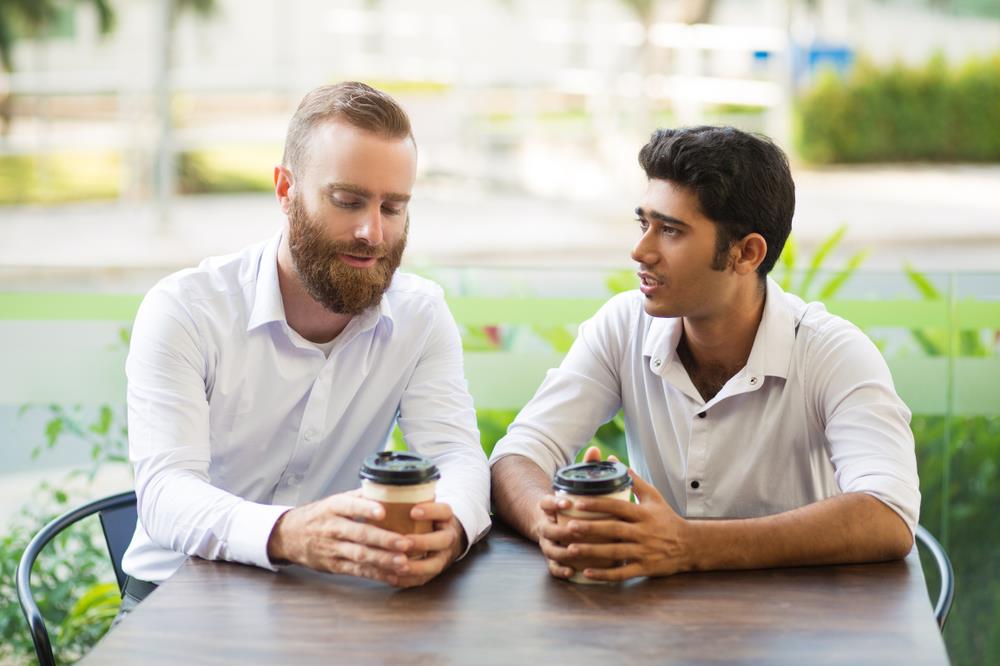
(946, 595)
(116, 512)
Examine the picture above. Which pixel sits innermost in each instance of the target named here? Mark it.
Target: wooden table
(500, 606)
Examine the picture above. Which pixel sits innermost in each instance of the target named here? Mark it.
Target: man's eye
(346, 203)
(392, 210)
(643, 225)
(670, 231)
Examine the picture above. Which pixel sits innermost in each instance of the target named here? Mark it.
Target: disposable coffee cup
(587, 480)
(398, 480)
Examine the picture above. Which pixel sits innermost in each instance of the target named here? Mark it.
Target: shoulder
(218, 286)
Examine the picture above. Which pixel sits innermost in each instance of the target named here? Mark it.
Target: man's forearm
(518, 485)
(855, 527)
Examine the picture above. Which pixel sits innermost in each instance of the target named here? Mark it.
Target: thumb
(593, 454)
(645, 492)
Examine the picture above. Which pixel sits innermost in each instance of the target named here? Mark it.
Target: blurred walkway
(936, 218)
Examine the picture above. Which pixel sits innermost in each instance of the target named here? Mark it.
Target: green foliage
(932, 113)
(68, 579)
(804, 289)
(227, 170)
(59, 177)
(104, 434)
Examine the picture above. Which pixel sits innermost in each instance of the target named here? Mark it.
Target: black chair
(947, 592)
(118, 518)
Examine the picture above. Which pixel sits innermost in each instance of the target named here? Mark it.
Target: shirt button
(695, 485)
(657, 362)
(702, 415)
(753, 381)
(309, 434)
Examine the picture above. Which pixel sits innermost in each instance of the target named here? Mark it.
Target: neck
(724, 338)
(305, 315)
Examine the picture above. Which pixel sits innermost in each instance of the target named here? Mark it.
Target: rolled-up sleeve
(169, 444)
(867, 425)
(437, 419)
(575, 398)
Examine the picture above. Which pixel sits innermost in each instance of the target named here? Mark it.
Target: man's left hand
(442, 546)
(649, 538)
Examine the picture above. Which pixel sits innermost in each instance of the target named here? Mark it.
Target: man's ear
(748, 253)
(283, 187)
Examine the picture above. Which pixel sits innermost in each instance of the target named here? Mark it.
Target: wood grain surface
(500, 606)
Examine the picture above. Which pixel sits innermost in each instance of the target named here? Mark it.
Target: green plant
(69, 580)
(804, 288)
(104, 434)
(936, 112)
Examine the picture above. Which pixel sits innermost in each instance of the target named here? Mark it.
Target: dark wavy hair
(741, 180)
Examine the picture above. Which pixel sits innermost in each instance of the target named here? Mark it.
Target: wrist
(277, 551)
(689, 546)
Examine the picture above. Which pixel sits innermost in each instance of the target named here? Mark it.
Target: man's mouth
(648, 282)
(357, 261)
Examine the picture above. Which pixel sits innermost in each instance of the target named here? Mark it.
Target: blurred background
(138, 137)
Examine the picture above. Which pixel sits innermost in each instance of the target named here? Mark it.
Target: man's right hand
(326, 536)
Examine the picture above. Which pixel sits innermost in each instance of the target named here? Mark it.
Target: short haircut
(741, 180)
(355, 103)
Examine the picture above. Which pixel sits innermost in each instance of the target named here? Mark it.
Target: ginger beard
(338, 287)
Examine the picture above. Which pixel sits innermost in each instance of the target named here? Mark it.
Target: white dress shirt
(234, 418)
(812, 414)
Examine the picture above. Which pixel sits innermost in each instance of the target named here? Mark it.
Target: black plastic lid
(399, 468)
(592, 478)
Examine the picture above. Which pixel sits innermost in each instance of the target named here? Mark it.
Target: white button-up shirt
(234, 418)
(812, 414)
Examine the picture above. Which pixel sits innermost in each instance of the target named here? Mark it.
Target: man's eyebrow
(660, 217)
(364, 192)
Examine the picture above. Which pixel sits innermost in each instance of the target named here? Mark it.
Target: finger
(555, 532)
(554, 551)
(553, 504)
(442, 538)
(351, 505)
(613, 458)
(426, 568)
(608, 530)
(645, 491)
(603, 551)
(342, 529)
(355, 552)
(436, 511)
(560, 571)
(613, 507)
(615, 574)
(360, 571)
(593, 454)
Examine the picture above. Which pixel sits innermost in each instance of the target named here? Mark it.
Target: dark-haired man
(259, 381)
(742, 403)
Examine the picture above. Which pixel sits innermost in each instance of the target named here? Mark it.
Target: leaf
(787, 259)
(53, 429)
(557, 336)
(923, 285)
(819, 257)
(103, 423)
(833, 285)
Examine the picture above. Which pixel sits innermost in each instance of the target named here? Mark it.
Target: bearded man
(259, 381)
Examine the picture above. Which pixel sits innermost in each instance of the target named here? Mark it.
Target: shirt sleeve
(866, 423)
(437, 419)
(169, 443)
(575, 398)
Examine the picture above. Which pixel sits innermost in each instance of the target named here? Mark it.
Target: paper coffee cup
(398, 480)
(605, 479)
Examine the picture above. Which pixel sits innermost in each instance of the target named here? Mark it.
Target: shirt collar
(771, 353)
(268, 306)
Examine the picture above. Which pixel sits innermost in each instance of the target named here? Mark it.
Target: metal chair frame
(115, 512)
(946, 595)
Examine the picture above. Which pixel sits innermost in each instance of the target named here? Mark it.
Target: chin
(655, 309)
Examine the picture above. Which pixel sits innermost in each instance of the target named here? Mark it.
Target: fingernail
(402, 544)
(418, 513)
(563, 504)
(399, 559)
(374, 513)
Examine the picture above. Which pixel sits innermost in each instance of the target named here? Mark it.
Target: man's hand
(326, 536)
(649, 538)
(440, 547)
(553, 538)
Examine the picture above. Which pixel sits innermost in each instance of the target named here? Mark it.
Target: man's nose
(642, 252)
(370, 229)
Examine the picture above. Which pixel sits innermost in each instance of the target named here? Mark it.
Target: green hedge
(936, 112)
